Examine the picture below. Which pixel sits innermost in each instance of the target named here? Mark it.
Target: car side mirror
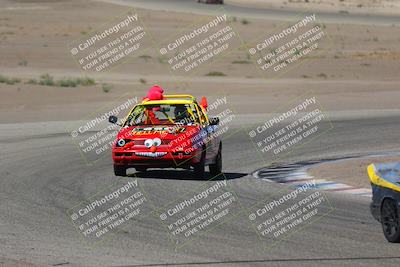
(112, 119)
(214, 121)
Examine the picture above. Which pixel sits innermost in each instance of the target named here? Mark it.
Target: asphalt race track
(43, 175)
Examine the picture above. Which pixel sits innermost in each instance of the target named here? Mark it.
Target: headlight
(148, 143)
(121, 142)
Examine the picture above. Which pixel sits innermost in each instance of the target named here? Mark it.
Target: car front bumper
(158, 159)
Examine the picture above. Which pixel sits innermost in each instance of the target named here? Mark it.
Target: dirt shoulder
(16, 263)
(352, 171)
(357, 70)
(352, 6)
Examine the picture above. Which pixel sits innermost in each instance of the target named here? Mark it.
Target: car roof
(172, 99)
(171, 102)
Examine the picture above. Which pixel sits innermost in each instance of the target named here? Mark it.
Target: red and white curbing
(299, 176)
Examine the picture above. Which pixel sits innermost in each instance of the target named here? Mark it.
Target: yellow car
(385, 206)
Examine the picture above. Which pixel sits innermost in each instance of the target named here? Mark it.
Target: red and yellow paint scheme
(167, 131)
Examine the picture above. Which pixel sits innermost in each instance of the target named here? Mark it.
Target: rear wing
(185, 97)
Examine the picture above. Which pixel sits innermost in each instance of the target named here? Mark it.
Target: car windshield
(165, 114)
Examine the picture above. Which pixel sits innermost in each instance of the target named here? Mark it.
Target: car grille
(140, 142)
(120, 154)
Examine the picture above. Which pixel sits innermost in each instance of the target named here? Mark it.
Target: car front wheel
(119, 170)
(199, 168)
(390, 221)
(216, 168)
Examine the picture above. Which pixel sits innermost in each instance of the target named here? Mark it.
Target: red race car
(168, 131)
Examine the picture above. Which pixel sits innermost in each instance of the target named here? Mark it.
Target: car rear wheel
(199, 168)
(119, 170)
(216, 168)
(390, 221)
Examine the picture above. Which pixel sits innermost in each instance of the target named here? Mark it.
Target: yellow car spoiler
(187, 97)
